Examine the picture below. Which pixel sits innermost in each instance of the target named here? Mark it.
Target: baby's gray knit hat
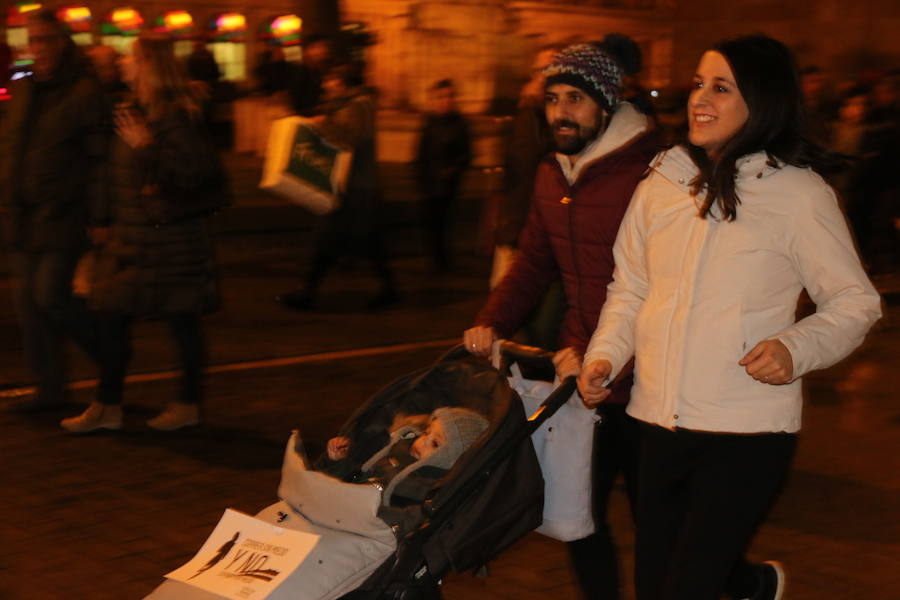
(462, 427)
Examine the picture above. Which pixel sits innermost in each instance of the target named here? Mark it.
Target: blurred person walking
(354, 228)
(716, 246)
(443, 155)
(603, 147)
(53, 141)
(202, 66)
(529, 141)
(305, 79)
(165, 179)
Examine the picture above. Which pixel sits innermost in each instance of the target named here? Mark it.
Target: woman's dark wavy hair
(766, 75)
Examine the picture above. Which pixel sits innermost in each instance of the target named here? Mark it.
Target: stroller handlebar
(505, 353)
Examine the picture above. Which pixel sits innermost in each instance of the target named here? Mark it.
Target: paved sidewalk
(103, 517)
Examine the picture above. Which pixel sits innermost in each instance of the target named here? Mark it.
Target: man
(442, 159)
(354, 228)
(201, 65)
(305, 79)
(54, 137)
(603, 147)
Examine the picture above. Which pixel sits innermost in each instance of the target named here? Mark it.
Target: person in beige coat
(712, 255)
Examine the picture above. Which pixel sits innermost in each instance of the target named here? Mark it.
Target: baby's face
(429, 442)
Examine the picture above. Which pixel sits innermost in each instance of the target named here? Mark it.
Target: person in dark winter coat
(53, 141)
(604, 146)
(354, 229)
(165, 179)
(443, 156)
(304, 80)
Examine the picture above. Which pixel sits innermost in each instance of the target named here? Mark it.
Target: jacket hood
(676, 165)
(626, 125)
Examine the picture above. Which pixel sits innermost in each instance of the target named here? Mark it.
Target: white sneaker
(97, 416)
(176, 416)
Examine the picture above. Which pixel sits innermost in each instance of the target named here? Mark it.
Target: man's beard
(570, 144)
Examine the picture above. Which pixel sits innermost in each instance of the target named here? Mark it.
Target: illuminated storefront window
(227, 42)
(180, 25)
(121, 27)
(78, 20)
(16, 33)
(285, 31)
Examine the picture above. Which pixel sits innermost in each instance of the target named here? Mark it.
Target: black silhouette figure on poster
(222, 553)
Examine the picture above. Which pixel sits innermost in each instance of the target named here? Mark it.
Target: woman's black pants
(115, 354)
(701, 497)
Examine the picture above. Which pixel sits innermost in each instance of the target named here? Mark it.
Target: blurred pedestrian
(271, 71)
(5, 63)
(355, 228)
(603, 147)
(881, 150)
(165, 178)
(202, 66)
(717, 244)
(443, 155)
(53, 143)
(819, 106)
(628, 53)
(304, 84)
(529, 141)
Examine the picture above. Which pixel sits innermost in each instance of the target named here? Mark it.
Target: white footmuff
(353, 540)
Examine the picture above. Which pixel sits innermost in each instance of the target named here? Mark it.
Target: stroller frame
(408, 576)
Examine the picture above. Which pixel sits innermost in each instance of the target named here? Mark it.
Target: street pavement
(105, 516)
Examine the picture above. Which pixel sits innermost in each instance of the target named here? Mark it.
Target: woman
(165, 179)
(717, 244)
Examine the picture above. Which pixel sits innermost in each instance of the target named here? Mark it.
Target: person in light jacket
(716, 246)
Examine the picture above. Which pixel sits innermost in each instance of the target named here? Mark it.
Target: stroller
(492, 496)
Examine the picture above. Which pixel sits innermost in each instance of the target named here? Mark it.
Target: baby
(414, 459)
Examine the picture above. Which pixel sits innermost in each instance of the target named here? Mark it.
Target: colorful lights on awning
(123, 21)
(285, 29)
(77, 18)
(177, 23)
(16, 15)
(229, 27)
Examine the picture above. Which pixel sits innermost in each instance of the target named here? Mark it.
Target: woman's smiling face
(716, 108)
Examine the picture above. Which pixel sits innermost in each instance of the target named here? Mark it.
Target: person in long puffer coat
(165, 179)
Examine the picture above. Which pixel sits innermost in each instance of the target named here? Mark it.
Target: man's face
(47, 45)
(574, 117)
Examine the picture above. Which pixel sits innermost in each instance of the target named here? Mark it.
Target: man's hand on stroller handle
(478, 340)
(592, 382)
